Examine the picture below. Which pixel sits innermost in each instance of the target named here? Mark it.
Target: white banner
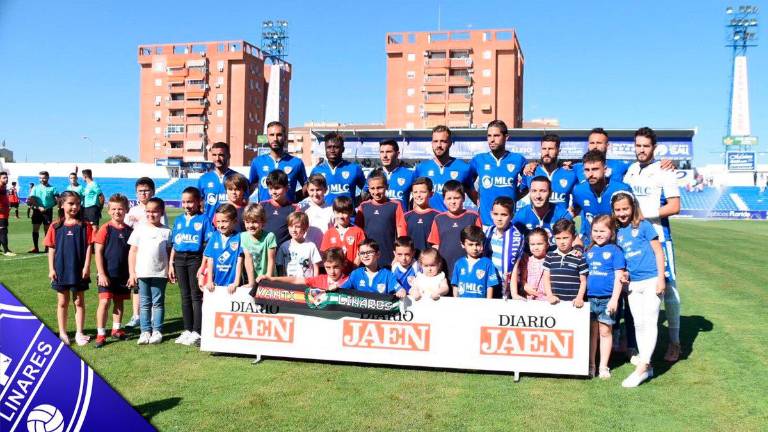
(479, 334)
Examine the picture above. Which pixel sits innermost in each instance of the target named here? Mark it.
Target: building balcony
(175, 104)
(434, 98)
(176, 119)
(435, 79)
(459, 97)
(464, 62)
(459, 80)
(180, 72)
(459, 107)
(437, 62)
(459, 123)
(168, 152)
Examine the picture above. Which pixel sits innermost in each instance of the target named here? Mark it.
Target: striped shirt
(564, 272)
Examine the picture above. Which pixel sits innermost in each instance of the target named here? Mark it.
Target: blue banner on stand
(45, 386)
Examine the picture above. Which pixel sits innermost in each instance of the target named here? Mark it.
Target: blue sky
(69, 69)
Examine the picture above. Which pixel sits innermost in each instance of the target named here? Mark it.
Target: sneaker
(634, 379)
(119, 334)
(100, 341)
(143, 338)
(134, 322)
(635, 360)
(182, 339)
(673, 353)
(193, 339)
(605, 373)
(156, 337)
(9, 254)
(34, 251)
(82, 339)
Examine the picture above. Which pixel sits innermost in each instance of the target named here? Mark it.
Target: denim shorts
(598, 310)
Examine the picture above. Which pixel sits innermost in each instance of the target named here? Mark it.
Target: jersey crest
(345, 174)
(480, 273)
(381, 288)
(510, 167)
(454, 174)
(606, 255)
(288, 169)
(234, 245)
(563, 182)
(197, 225)
(401, 181)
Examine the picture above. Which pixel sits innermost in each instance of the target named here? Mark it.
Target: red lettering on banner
(526, 342)
(386, 335)
(270, 328)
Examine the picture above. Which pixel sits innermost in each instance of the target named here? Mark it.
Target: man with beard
(211, 184)
(44, 196)
(562, 180)
(399, 177)
(277, 159)
(541, 212)
(344, 178)
(658, 195)
(444, 168)
(498, 170)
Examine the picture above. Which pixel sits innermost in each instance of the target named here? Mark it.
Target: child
(69, 243)
(259, 246)
(279, 207)
(419, 220)
(404, 267)
(381, 218)
(334, 276)
(645, 263)
(504, 243)
(237, 195)
(531, 268)
(445, 234)
(430, 282)
(145, 189)
(606, 264)
(189, 235)
(13, 198)
(5, 214)
(112, 248)
(298, 257)
(474, 275)
(565, 269)
(148, 266)
(320, 214)
(223, 251)
(370, 277)
(343, 234)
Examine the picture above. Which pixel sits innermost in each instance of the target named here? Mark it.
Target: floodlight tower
(274, 39)
(742, 34)
(274, 44)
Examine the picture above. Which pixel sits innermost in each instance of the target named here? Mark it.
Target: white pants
(645, 305)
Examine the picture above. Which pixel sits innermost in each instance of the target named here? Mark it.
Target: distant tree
(117, 159)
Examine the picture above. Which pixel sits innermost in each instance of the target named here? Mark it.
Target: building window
(486, 91)
(410, 91)
(411, 57)
(458, 90)
(410, 74)
(219, 113)
(219, 128)
(158, 82)
(409, 109)
(219, 81)
(487, 54)
(159, 67)
(436, 54)
(409, 125)
(486, 73)
(219, 98)
(158, 99)
(220, 65)
(459, 54)
(158, 130)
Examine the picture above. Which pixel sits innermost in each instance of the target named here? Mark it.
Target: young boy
(145, 189)
(223, 251)
(278, 207)
(474, 276)
(381, 218)
(503, 242)
(298, 257)
(111, 243)
(419, 220)
(445, 234)
(259, 246)
(334, 276)
(370, 277)
(343, 234)
(565, 271)
(404, 266)
(237, 195)
(320, 214)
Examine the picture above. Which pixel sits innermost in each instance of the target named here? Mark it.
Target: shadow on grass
(690, 327)
(150, 409)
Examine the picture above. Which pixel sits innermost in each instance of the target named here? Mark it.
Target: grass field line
(22, 258)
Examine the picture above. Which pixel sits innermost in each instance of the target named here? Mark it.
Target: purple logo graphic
(46, 387)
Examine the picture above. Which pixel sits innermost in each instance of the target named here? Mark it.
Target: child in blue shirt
(645, 263)
(606, 265)
(224, 251)
(504, 243)
(474, 276)
(404, 266)
(369, 277)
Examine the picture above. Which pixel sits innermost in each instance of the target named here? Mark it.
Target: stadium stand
(167, 189)
(743, 198)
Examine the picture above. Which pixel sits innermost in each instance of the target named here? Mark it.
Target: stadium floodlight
(274, 39)
(729, 10)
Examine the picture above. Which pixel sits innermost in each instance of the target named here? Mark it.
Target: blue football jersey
(404, 276)
(496, 177)
(455, 169)
(224, 253)
(636, 244)
(526, 219)
(343, 180)
(399, 183)
(264, 164)
(615, 168)
(474, 281)
(213, 191)
(593, 205)
(563, 181)
(384, 281)
(603, 261)
(190, 235)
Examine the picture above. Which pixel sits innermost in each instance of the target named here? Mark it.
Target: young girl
(532, 266)
(148, 267)
(189, 235)
(69, 243)
(645, 263)
(259, 246)
(606, 264)
(430, 281)
(223, 252)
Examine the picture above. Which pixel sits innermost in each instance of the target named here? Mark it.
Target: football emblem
(480, 274)
(586, 202)
(606, 255)
(635, 232)
(590, 255)
(510, 167)
(350, 240)
(345, 175)
(401, 181)
(381, 288)
(563, 182)
(198, 226)
(430, 173)
(288, 169)
(454, 174)
(234, 245)
(410, 279)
